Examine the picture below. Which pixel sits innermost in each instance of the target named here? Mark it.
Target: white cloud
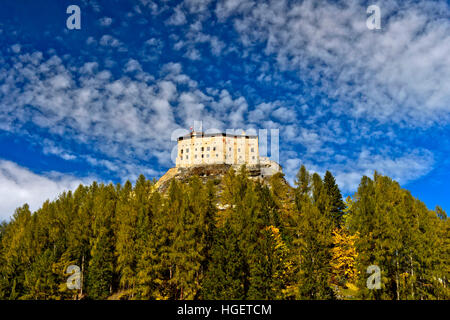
(132, 65)
(192, 54)
(16, 48)
(19, 185)
(177, 18)
(195, 36)
(400, 74)
(105, 21)
(109, 41)
(125, 119)
(402, 168)
(285, 114)
(49, 147)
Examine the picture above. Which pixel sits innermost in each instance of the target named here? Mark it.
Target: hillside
(214, 233)
(214, 172)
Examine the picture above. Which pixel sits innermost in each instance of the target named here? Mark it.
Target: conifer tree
(146, 269)
(101, 264)
(189, 246)
(314, 245)
(303, 186)
(398, 234)
(336, 204)
(157, 279)
(320, 198)
(260, 242)
(343, 261)
(126, 235)
(15, 255)
(313, 239)
(225, 277)
(79, 235)
(270, 266)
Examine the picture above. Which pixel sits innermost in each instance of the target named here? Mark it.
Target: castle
(200, 149)
(212, 154)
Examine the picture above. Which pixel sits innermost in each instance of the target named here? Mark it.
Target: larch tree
(313, 240)
(101, 264)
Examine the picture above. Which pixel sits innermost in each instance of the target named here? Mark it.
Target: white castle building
(199, 148)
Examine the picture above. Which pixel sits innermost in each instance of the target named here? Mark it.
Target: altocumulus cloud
(399, 74)
(128, 118)
(403, 168)
(364, 92)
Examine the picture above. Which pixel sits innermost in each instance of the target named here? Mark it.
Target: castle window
(181, 157)
(195, 156)
(239, 149)
(181, 151)
(253, 157)
(207, 155)
(217, 155)
(253, 150)
(202, 156)
(229, 149)
(214, 148)
(207, 149)
(203, 149)
(187, 150)
(187, 157)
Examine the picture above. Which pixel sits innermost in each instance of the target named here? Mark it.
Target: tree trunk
(412, 276)
(397, 282)
(82, 276)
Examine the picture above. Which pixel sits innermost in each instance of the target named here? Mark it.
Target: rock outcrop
(215, 172)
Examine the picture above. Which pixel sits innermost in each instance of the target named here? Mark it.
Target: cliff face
(214, 172)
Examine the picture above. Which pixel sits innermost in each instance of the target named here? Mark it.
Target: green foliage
(335, 203)
(225, 277)
(401, 236)
(237, 238)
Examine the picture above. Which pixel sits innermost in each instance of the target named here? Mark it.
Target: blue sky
(105, 102)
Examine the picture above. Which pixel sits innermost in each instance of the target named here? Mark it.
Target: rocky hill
(213, 172)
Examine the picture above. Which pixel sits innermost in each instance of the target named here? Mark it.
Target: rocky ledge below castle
(216, 171)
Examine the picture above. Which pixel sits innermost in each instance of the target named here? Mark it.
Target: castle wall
(203, 149)
(269, 167)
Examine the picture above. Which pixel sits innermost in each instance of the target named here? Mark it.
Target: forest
(229, 238)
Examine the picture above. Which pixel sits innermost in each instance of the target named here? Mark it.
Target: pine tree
(189, 246)
(336, 204)
(399, 235)
(225, 276)
(126, 235)
(320, 198)
(101, 264)
(314, 245)
(260, 242)
(207, 230)
(442, 276)
(79, 235)
(16, 256)
(303, 187)
(158, 278)
(147, 268)
(269, 266)
(313, 239)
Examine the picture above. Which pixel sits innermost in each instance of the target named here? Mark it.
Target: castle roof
(218, 134)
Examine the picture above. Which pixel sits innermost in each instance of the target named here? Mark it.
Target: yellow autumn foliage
(343, 257)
